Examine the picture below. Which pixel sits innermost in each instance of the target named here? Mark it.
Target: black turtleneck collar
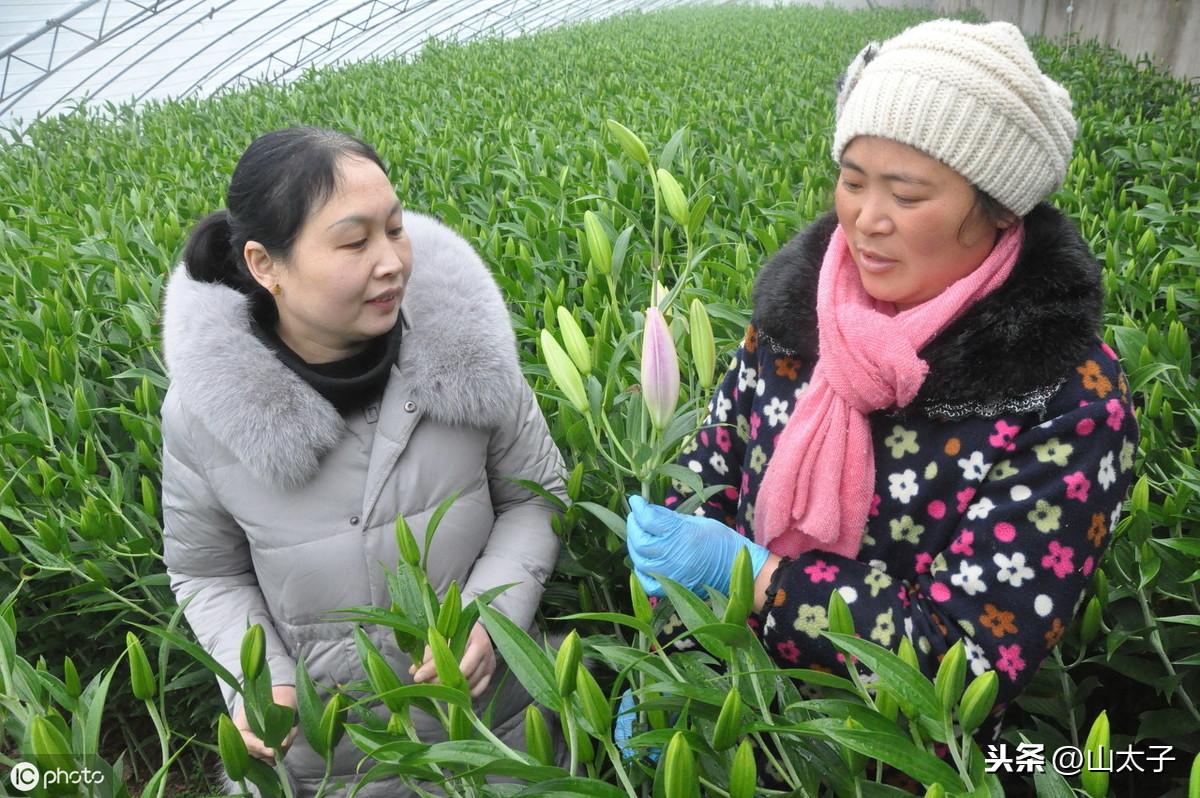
(349, 383)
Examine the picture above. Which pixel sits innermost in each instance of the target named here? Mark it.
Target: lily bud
(444, 662)
(704, 349)
(232, 748)
(333, 723)
(599, 247)
(977, 701)
(951, 674)
(576, 344)
(384, 682)
(563, 371)
(741, 589)
(629, 142)
(141, 677)
(450, 612)
(1092, 778)
(679, 769)
(575, 482)
(596, 710)
(566, 664)
(743, 775)
(47, 740)
(1101, 587)
(71, 678)
(537, 736)
(1091, 622)
(660, 370)
(729, 722)
(673, 196)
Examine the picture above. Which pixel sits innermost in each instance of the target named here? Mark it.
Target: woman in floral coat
(921, 415)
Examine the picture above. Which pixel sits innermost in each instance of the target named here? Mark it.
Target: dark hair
(991, 209)
(280, 178)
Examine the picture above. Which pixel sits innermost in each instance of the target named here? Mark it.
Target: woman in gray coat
(307, 411)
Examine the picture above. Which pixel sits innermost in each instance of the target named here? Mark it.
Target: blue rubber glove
(623, 729)
(689, 549)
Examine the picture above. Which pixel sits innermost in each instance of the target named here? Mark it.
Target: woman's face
(345, 277)
(903, 215)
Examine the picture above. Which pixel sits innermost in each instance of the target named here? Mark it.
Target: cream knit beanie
(969, 95)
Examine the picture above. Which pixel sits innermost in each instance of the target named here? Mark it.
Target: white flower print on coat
(903, 486)
(968, 578)
(974, 467)
(1012, 570)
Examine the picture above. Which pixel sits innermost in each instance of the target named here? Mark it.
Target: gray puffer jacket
(277, 510)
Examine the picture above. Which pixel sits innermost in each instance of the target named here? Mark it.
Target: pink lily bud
(660, 370)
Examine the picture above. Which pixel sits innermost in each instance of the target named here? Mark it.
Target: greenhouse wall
(1160, 28)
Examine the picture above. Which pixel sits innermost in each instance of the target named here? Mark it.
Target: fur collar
(459, 360)
(1019, 341)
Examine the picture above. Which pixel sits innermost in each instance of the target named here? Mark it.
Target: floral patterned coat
(996, 489)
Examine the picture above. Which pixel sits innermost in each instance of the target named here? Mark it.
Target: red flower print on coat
(723, 440)
(1077, 486)
(820, 571)
(964, 498)
(1002, 438)
(1010, 661)
(1116, 414)
(1059, 559)
(963, 544)
(789, 651)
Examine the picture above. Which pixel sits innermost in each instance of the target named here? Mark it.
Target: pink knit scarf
(821, 478)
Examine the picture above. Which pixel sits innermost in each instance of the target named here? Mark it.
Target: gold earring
(277, 289)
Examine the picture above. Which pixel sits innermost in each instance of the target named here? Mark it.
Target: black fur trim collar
(1021, 338)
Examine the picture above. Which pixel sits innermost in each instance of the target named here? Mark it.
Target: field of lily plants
(648, 160)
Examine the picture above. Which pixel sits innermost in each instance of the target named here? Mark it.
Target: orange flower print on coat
(1094, 379)
(787, 367)
(780, 597)
(1056, 631)
(1097, 531)
(998, 620)
(953, 447)
(751, 340)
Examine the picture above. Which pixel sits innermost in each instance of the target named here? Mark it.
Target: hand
(477, 666)
(689, 549)
(284, 694)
